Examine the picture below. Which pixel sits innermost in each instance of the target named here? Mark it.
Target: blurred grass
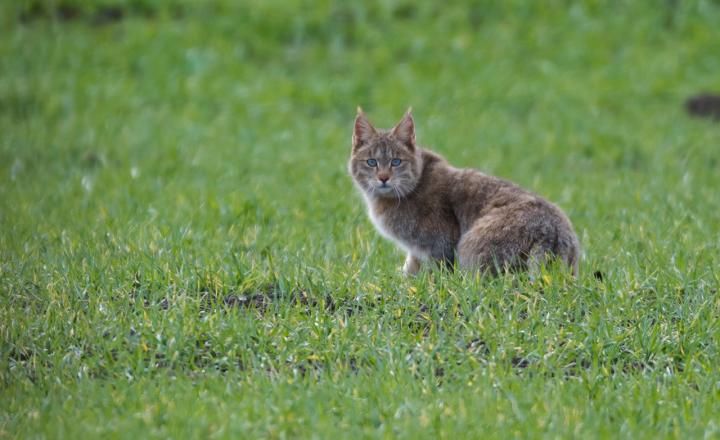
(183, 254)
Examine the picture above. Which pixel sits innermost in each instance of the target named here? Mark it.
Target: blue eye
(372, 162)
(395, 162)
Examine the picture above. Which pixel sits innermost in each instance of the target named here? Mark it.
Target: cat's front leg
(412, 265)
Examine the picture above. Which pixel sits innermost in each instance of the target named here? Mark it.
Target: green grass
(182, 253)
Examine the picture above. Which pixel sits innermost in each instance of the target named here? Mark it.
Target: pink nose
(383, 179)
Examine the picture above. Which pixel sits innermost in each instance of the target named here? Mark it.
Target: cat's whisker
(397, 193)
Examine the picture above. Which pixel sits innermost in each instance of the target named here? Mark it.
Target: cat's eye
(395, 162)
(372, 162)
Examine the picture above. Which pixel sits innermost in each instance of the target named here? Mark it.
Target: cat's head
(385, 163)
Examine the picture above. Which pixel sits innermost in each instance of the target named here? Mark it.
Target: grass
(182, 253)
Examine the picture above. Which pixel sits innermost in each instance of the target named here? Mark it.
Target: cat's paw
(411, 266)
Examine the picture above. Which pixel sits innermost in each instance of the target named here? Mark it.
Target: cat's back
(474, 194)
(443, 187)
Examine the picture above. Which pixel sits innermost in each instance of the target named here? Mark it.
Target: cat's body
(436, 212)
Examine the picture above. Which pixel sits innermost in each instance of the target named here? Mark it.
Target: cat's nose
(384, 179)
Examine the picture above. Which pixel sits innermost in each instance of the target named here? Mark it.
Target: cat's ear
(404, 131)
(363, 130)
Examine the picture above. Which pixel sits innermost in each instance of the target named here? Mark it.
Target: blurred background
(143, 115)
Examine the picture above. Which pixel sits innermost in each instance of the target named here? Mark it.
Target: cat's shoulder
(432, 158)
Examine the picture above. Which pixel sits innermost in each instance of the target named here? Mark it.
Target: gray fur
(436, 212)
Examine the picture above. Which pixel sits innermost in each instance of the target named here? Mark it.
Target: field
(182, 252)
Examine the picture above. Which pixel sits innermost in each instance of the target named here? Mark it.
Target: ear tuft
(404, 131)
(363, 130)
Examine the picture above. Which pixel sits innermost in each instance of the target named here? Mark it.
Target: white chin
(384, 190)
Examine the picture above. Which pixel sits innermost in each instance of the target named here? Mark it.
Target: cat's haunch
(437, 212)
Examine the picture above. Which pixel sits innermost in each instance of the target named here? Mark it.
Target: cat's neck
(430, 158)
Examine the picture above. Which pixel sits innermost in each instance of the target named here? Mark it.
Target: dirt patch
(519, 362)
(705, 105)
(262, 298)
(257, 301)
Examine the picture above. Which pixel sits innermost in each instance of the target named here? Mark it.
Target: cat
(454, 217)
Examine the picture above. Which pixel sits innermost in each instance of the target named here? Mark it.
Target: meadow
(182, 252)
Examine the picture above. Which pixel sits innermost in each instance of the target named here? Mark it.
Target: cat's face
(385, 163)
